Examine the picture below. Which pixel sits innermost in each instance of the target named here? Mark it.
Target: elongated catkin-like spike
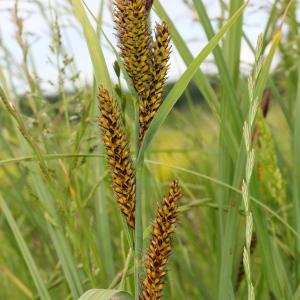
(134, 40)
(145, 61)
(160, 245)
(118, 154)
(152, 98)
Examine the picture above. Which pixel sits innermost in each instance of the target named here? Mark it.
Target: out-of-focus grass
(57, 200)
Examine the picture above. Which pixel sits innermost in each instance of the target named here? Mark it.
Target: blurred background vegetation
(60, 229)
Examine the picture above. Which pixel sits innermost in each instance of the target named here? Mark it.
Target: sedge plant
(88, 200)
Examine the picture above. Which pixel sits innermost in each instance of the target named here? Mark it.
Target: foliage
(62, 235)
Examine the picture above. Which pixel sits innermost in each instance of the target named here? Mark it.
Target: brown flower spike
(145, 60)
(152, 98)
(134, 36)
(118, 154)
(160, 245)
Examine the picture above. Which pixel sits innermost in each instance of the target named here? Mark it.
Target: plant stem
(138, 233)
(138, 230)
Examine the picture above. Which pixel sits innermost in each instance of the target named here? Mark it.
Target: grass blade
(35, 274)
(96, 54)
(225, 285)
(296, 175)
(101, 77)
(230, 92)
(101, 294)
(199, 78)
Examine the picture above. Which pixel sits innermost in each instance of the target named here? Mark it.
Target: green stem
(296, 174)
(138, 232)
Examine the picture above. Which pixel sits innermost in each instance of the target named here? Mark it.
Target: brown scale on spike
(134, 40)
(118, 154)
(153, 97)
(160, 245)
(145, 60)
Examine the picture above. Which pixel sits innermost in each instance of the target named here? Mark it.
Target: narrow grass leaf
(227, 84)
(296, 174)
(96, 53)
(199, 78)
(102, 294)
(35, 274)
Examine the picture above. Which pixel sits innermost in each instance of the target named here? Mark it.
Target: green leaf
(102, 294)
(199, 78)
(101, 77)
(296, 173)
(96, 53)
(225, 272)
(230, 92)
(35, 274)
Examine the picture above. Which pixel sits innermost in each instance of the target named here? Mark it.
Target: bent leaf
(102, 294)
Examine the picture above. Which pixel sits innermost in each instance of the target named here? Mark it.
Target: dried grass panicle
(134, 40)
(160, 245)
(153, 97)
(118, 154)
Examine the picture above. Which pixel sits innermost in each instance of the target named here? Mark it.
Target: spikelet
(152, 99)
(241, 271)
(160, 245)
(118, 154)
(134, 40)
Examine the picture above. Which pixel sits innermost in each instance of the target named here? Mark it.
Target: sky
(37, 31)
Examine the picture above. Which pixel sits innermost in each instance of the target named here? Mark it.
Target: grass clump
(63, 236)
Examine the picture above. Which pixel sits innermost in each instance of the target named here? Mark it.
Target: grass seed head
(134, 40)
(160, 245)
(153, 97)
(118, 154)
(145, 60)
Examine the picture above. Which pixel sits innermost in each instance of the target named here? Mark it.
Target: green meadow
(231, 139)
